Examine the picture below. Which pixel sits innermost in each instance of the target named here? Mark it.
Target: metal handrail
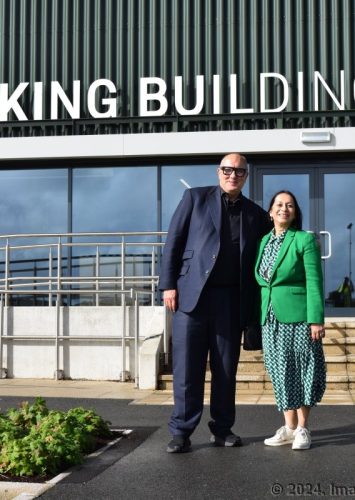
(56, 285)
(82, 234)
(59, 338)
(86, 244)
(133, 293)
(122, 244)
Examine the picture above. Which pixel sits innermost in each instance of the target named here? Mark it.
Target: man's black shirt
(226, 271)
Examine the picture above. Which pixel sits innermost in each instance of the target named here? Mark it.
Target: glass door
(327, 198)
(297, 183)
(338, 216)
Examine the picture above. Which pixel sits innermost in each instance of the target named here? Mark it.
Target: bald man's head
(232, 174)
(234, 158)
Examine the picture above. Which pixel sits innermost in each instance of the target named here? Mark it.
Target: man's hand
(170, 299)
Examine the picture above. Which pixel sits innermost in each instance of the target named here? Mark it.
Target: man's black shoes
(230, 441)
(179, 444)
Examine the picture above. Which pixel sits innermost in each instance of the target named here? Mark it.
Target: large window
(120, 199)
(115, 199)
(175, 179)
(105, 199)
(339, 219)
(32, 201)
(325, 195)
(298, 184)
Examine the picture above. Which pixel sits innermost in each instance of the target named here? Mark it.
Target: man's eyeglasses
(239, 172)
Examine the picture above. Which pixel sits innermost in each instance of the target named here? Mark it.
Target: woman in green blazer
(288, 271)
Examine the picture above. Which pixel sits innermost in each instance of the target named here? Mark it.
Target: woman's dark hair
(297, 221)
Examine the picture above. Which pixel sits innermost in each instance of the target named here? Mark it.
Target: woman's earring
(271, 218)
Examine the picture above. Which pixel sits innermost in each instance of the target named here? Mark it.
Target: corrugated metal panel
(123, 40)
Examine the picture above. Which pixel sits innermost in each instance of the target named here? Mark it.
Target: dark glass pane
(115, 199)
(339, 216)
(32, 201)
(175, 179)
(298, 184)
(121, 199)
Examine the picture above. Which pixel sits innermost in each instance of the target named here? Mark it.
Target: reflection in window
(102, 199)
(339, 215)
(298, 184)
(120, 199)
(175, 179)
(115, 199)
(32, 201)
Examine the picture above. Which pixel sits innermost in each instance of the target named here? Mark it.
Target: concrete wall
(78, 359)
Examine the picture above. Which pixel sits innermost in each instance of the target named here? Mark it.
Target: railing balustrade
(20, 279)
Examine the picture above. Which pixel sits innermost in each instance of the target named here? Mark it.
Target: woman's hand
(317, 331)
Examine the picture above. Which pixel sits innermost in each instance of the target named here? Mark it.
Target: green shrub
(36, 442)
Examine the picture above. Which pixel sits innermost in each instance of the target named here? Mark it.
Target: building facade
(109, 109)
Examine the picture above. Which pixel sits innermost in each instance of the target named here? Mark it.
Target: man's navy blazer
(193, 244)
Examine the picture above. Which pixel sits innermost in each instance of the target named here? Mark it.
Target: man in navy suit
(207, 276)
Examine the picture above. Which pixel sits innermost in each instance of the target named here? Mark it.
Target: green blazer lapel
(283, 250)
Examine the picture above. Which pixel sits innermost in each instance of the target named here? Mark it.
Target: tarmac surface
(138, 467)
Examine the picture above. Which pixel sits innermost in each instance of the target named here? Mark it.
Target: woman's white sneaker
(302, 439)
(284, 435)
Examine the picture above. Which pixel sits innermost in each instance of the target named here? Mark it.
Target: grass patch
(37, 443)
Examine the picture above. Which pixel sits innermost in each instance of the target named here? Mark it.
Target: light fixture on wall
(316, 136)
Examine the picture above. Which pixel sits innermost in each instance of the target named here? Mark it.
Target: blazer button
(214, 257)
(206, 272)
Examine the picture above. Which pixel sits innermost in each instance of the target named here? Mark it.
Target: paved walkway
(125, 390)
(139, 468)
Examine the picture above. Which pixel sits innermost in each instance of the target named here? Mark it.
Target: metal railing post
(123, 305)
(58, 304)
(136, 338)
(123, 263)
(7, 270)
(57, 333)
(50, 275)
(59, 263)
(97, 272)
(152, 301)
(1, 333)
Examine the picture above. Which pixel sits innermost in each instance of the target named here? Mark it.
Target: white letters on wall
(196, 110)
(282, 79)
(110, 102)
(233, 97)
(145, 97)
(318, 78)
(58, 94)
(11, 103)
(272, 95)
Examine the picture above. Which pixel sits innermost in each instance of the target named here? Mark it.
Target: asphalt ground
(138, 467)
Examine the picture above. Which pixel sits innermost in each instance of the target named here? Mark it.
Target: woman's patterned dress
(294, 362)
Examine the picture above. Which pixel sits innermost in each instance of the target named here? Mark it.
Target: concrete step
(261, 381)
(253, 376)
(339, 329)
(339, 350)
